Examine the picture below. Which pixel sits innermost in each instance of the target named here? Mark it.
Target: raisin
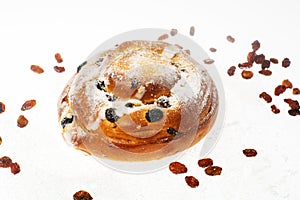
(231, 70)
(250, 152)
(205, 162)
(37, 69)
(244, 65)
(212, 49)
(274, 60)
(82, 195)
(15, 168)
(230, 39)
(251, 57)
(274, 109)
(163, 37)
(247, 74)
(287, 83)
(154, 115)
(100, 85)
(259, 59)
(110, 115)
(294, 112)
(208, 61)
(172, 131)
(2, 107)
(80, 66)
(59, 69)
(111, 97)
(266, 97)
(58, 58)
(27, 105)
(295, 91)
(286, 62)
(265, 72)
(279, 90)
(294, 104)
(213, 170)
(129, 105)
(66, 120)
(177, 168)
(22, 121)
(265, 64)
(255, 45)
(163, 102)
(5, 162)
(192, 31)
(192, 181)
(173, 32)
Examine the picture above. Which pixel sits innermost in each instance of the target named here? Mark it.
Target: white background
(31, 32)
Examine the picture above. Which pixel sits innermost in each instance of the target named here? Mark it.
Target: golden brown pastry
(141, 100)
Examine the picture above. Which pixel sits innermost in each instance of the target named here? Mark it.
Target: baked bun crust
(141, 100)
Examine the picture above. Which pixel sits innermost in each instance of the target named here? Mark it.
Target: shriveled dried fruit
(212, 49)
(22, 121)
(2, 107)
(82, 195)
(37, 69)
(15, 168)
(274, 109)
(296, 91)
(294, 104)
(265, 72)
(244, 65)
(250, 152)
(265, 64)
(58, 58)
(286, 62)
(27, 105)
(173, 32)
(287, 83)
(259, 59)
(231, 70)
(5, 162)
(192, 181)
(266, 97)
(247, 74)
(230, 39)
(59, 69)
(294, 112)
(208, 61)
(279, 90)
(205, 162)
(255, 45)
(163, 37)
(192, 30)
(274, 60)
(213, 170)
(177, 168)
(251, 57)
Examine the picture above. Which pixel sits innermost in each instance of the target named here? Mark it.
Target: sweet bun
(139, 101)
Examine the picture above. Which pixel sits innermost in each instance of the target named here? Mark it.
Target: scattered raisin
(177, 168)
(259, 59)
(82, 195)
(59, 69)
(2, 107)
(208, 61)
(192, 31)
(279, 90)
(66, 120)
(22, 121)
(250, 152)
(27, 105)
(244, 65)
(154, 115)
(287, 83)
(247, 74)
(294, 112)
(230, 39)
(129, 105)
(163, 37)
(172, 131)
(286, 62)
(173, 32)
(5, 162)
(265, 64)
(231, 70)
(110, 115)
(296, 91)
(294, 104)
(265, 72)
(255, 45)
(100, 85)
(192, 181)
(274, 60)
(80, 66)
(163, 102)
(15, 168)
(266, 97)
(212, 49)
(37, 69)
(58, 58)
(111, 97)
(274, 109)
(205, 162)
(251, 57)
(213, 170)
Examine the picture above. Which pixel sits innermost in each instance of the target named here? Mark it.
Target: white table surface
(31, 32)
